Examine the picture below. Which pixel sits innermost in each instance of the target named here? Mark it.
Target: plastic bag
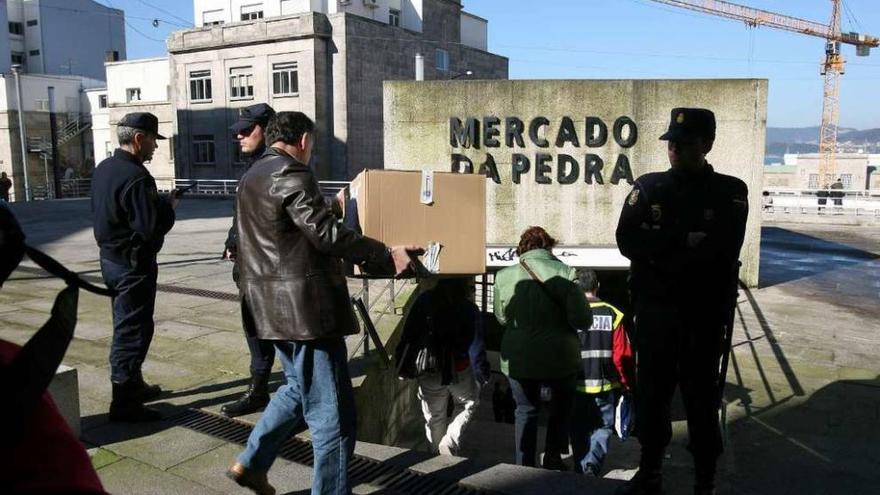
(624, 416)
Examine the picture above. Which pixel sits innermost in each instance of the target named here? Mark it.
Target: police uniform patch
(633, 197)
(708, 215)
(656, 213)
(680, 118)
(741, 203)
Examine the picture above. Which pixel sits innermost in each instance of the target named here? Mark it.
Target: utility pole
(16, 69)
(53, 133)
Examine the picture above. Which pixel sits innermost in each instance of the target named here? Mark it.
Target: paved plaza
(803, 412)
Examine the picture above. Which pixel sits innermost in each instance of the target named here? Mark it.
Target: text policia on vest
(489, 133)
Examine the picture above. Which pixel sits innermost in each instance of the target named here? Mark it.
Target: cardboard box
(411, 207)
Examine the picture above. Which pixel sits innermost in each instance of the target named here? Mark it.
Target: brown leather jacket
(290, 251)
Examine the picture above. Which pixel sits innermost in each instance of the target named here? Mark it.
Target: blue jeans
(318, 391)
(133, 308)
(592, 424)
(527, 394)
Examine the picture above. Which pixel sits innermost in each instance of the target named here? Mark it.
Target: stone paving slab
(135, 478)
(804, 384)
(207, 470)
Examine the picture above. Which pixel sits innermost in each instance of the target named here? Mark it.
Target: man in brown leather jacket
(290, 252)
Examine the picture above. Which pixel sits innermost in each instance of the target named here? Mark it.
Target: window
(241, 83)
(212, 17)
(394, 17)
(441, 59)
(32, 22)
(102, 101)
(42, 105)
(16, 28)
(18, 58)
(251, 12)
(284, 79)
(203, 149)
(108, 149)
(132, 94)
(846, 179)
(34, 53)
(200, 85)
(813, 182)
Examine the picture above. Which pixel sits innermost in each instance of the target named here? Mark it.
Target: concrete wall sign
(563, 154)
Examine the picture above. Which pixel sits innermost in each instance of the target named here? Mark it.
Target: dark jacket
(540, 340)
(231, 243)
(130, 218)
(290, 251)
(653, 229)
(456, 329)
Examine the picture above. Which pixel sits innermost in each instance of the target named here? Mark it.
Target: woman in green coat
(540, 306)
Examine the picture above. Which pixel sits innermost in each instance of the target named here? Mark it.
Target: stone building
(326, 59)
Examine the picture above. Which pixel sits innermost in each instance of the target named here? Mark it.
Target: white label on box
(427, 194)
(432, 257)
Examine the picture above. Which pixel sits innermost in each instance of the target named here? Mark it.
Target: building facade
(72, 37)
(138, 86)
(72, 110)
(326, 59)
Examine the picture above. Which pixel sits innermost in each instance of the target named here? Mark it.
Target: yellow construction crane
(831, 68)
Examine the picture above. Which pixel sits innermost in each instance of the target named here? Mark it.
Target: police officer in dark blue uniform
(250, 130)
(682, 230)
(130, 223)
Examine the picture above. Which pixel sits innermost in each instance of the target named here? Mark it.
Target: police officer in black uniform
(130, 223)
(249, 131)
(682, 230)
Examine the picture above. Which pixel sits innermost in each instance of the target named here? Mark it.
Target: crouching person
(289, 250)
(442, 347)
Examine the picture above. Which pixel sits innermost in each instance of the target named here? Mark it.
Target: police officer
(130, 223)
(682, 230)
(250, 133)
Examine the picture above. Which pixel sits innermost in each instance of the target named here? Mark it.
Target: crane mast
(831, 68)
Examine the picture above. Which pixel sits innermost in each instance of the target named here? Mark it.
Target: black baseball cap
(688, 124)
(258, 114)
(144, 121)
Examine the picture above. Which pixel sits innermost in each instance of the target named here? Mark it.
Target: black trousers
(262, 351)
(678, 346)
(527, 394)
(133, 308)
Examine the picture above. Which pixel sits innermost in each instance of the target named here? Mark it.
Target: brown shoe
(256, 481)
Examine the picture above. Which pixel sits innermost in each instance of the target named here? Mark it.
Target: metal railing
(849, 202)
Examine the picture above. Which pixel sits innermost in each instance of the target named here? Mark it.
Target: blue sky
(601, 39)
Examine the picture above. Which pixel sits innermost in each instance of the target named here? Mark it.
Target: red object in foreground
(49, 458)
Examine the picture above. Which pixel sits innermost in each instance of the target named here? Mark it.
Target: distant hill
(801, 134)
(781, 140)
(866, 136)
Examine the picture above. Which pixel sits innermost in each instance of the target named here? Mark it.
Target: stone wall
(375, 52)
(417, 137)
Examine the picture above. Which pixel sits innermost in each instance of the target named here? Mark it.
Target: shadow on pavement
(826, 444)
(97, 430)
